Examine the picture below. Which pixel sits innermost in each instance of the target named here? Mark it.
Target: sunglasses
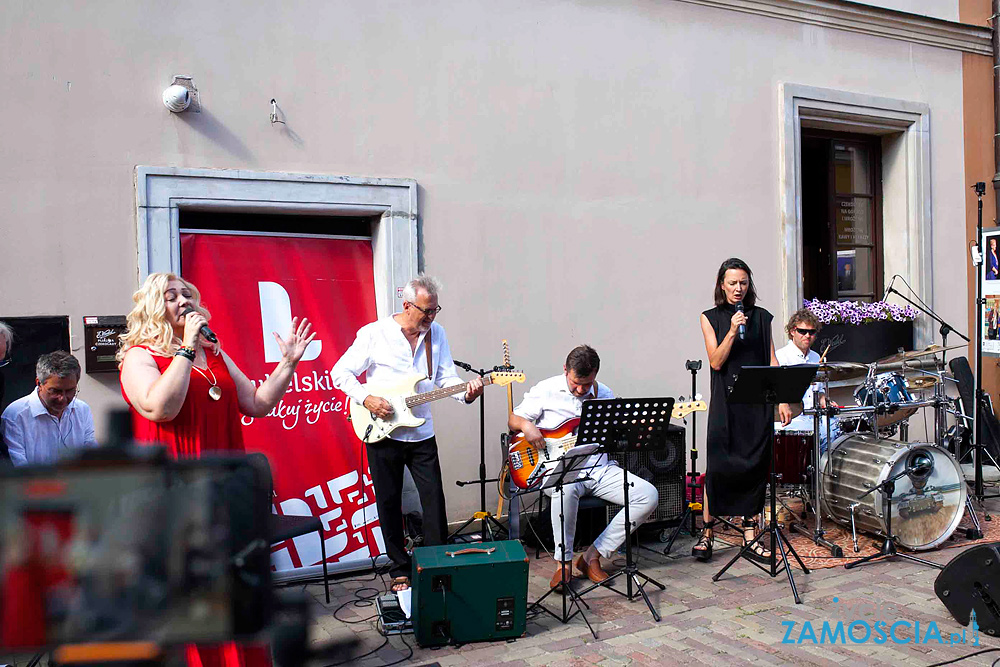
(428, 311)
(806, 332)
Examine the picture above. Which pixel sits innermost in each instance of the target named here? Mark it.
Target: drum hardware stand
(568, 467)
(692, 505)
(490, 526)
(612, 423)
(888, 550)
(767, 386)
(854, 529)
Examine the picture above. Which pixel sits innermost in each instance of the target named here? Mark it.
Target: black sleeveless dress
(739, 436)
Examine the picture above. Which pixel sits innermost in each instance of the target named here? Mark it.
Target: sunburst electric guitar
(402, 395)
(528, 464)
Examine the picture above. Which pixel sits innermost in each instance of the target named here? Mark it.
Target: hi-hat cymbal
(916, 354)
(840, 370)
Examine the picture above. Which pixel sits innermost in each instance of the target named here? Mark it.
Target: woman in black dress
(739, 436)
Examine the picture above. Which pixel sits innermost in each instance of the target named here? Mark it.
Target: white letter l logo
(276, 315)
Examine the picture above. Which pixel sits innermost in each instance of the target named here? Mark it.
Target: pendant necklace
(215, 391)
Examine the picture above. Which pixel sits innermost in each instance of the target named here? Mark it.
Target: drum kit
(864, 472)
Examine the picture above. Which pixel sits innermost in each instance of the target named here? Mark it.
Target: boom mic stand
(692, 505)
(977, 445)
(490, 526)
(888, 487)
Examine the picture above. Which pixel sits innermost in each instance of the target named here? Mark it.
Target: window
(841, 216)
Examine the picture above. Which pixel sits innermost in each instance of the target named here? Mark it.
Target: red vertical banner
(253, 286)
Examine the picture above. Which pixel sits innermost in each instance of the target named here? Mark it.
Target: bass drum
(927, 504)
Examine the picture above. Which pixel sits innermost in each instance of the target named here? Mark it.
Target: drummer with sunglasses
(802, 329)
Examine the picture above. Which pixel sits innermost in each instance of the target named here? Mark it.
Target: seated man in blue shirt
(44, 425)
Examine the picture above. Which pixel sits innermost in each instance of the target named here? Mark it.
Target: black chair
(967, 388)
(285, 527)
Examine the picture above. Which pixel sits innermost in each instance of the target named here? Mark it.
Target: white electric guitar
(402, 396)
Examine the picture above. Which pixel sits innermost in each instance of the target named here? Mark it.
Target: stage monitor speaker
(664, 469)
(971, 582)
(469, 592)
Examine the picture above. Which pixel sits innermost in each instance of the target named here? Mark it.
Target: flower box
(862, 332)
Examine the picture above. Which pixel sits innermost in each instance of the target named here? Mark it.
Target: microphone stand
(490, 526)
(888, 550)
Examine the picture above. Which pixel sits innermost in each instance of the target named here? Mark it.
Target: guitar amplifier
(664, 469)
(469, 593)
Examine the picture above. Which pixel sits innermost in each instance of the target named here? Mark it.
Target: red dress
(203, 425)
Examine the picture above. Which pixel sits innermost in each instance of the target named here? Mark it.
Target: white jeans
(606, 483)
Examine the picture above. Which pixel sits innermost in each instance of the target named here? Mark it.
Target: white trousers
(607, 483)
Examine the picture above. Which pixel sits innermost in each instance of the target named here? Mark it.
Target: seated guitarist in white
(547, 405)
(389, 349)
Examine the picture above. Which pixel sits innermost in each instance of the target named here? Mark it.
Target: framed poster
(990, 310)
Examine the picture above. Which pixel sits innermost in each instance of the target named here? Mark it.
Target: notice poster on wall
(990, 311)
(253, 286)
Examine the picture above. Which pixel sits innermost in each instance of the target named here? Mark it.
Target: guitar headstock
(506, 354)
(683, 409)
(502, 378)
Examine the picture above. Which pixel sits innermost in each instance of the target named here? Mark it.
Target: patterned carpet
(817, 557)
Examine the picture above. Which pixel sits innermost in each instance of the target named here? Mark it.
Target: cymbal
(840, 370)
(922, 382)
(916, 354)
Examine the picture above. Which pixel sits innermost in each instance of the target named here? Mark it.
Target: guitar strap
(427, 349)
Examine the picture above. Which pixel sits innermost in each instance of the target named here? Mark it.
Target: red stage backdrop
(253, 285)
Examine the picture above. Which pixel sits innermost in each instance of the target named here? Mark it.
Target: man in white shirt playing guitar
(391, 349)
(548, 405)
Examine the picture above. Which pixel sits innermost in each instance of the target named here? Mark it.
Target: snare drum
(792, 456)
(889, 388)
(926, 509)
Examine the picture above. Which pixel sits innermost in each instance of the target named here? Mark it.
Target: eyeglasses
(806, 332)
(429, 311)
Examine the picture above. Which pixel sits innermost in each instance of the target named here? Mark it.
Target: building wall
(583, 167)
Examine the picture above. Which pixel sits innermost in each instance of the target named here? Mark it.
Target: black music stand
(627, 425)
(767, 386)
(568, 470)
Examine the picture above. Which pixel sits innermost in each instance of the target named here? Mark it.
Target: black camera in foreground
(125, 545)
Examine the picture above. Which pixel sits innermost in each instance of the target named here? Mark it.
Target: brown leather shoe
(557, 578)
(591, 570)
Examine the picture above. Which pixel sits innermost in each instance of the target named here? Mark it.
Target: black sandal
(757, 552)
(702, 550)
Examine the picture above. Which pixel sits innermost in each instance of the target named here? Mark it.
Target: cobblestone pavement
(741, 619)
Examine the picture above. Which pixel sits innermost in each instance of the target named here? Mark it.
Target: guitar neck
(428, 396)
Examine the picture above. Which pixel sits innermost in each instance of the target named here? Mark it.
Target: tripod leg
(646, 598)
(791, 550)
(651, 580)
(715, 577)
(788, 571)
(677, 531)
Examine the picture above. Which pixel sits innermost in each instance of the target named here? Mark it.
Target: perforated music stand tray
(625, 424)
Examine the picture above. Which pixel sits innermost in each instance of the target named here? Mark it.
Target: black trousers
(386, 460)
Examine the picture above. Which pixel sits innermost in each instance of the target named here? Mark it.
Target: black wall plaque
(100, 335)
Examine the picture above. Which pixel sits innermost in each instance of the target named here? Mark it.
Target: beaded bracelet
(186, 352)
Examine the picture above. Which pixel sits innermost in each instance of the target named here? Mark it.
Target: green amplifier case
(468, 593)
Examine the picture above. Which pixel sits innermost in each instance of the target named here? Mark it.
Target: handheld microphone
(204, 331)
(743, 328)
